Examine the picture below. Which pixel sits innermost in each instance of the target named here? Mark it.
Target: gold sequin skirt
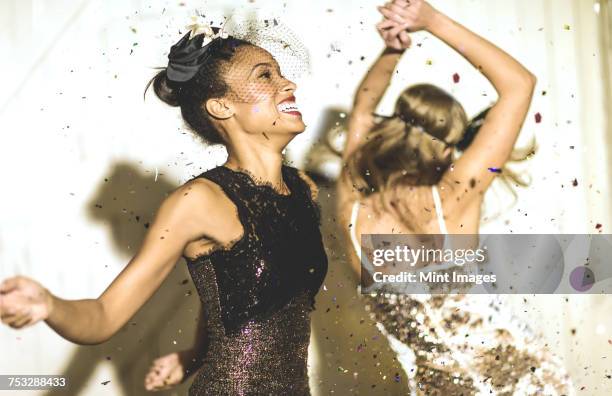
(459, 344)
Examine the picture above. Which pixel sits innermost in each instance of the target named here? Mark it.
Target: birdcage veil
(271, 34)
(213, 46)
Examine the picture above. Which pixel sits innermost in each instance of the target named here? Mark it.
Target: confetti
(495, 170)
(105, 382)
(538, 118)
(575, 182)
(456, 78)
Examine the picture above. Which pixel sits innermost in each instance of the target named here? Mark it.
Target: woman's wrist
(50, 302)
(393, 51)
(435, 22)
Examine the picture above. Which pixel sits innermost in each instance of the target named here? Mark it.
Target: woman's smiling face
(262, 98)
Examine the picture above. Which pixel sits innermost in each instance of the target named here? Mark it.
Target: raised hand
(394, 35)
(165, 372)
(411, 15)
(23, 302)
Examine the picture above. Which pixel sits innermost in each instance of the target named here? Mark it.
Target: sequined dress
(257, 294)
(463, 344)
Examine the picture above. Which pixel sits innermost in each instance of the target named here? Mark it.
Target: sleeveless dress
(462, 344)
(258, 293)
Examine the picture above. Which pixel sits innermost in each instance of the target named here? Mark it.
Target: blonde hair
(410, 148)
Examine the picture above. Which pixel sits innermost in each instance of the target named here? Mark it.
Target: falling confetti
(105, 382)
(495, 170)
(566, 27)
(538, 118)
(456, 78)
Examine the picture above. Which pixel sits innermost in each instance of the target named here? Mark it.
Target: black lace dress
(257, 294)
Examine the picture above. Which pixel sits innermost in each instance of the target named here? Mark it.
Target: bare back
(418, 204)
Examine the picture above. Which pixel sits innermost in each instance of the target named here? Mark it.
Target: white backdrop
(85, 161)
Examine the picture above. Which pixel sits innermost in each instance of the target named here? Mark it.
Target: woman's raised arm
(476, 168)
(374, 84)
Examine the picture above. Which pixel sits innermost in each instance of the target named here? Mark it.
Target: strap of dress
(439, 213)
(355, 242)
(353, 230)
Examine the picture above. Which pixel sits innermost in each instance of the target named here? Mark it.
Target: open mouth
(288, 106)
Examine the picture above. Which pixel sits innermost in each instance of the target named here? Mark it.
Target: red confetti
(456, 78)
(598, 226)
(538, 118)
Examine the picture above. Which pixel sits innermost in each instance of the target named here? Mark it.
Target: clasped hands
(401, 17)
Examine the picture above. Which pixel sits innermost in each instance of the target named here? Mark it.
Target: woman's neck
(265, 167)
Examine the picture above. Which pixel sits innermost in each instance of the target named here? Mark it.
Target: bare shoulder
(314, 189)
(199, 202)
(196, 193)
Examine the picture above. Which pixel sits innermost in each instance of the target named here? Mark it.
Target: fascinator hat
(190, 53)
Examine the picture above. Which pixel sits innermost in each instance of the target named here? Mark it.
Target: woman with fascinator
(248, 229)
(401, 175)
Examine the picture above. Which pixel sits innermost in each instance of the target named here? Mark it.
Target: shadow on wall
(126, 202)
(323, 159)
(351, 356)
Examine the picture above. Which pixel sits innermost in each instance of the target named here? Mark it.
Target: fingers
(394, 31)
(10, 313)
(21, 321)
(155, 380)
(10, 284)
(162, 374)
(17, 319)
(402, 3)
(404, 38)
(390, 15)
(385, 24)
(394, 43)
(399, 10)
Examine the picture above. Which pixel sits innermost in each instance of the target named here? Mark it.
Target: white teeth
(286, 107)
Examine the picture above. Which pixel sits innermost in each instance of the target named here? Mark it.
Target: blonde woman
(401, 176)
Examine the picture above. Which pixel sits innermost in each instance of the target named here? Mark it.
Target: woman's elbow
(527, 82)
(531, 80)
(521, 86)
